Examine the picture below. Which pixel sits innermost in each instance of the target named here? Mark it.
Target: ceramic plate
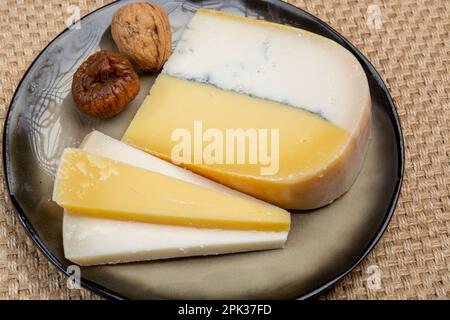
(324, 245)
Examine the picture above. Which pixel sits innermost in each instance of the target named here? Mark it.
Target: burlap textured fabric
(408, 43)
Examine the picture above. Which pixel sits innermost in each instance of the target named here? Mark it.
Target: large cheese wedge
(230, 72)
(93, 241)
(96, 186)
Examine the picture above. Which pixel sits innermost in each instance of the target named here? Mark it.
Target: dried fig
(142, 32)
(104, 84)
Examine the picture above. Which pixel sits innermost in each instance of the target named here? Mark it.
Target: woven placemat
(408, 43)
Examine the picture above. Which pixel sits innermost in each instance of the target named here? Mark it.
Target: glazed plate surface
(323, 245)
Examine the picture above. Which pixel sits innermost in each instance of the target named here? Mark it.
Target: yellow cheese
(306, 141)
(97, 186)
(235, 73)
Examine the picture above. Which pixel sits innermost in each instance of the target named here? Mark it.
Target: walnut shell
(142, 32)
(104, 84)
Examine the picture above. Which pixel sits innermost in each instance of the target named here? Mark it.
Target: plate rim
(314, 293)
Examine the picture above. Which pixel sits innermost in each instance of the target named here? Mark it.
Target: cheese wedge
(94, 241)
(230, 72)
(101, 187)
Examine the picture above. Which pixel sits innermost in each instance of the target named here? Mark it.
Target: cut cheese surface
(94, 241)
(97, 186)
(274, 62)
(306, 141)
(307, 94)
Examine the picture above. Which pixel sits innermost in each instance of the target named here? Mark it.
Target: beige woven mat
(410, 48)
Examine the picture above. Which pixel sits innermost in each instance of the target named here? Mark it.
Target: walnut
(142, 32)
(104, 84)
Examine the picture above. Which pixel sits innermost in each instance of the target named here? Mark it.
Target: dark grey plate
(323, 246)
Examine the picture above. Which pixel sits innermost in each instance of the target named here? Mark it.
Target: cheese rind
(285, 72)
(100, 187)
(94, 241)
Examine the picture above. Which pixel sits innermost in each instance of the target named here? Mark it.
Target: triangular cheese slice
(101, 187)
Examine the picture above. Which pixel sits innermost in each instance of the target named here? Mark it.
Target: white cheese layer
(274, 62)
(93, 241)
